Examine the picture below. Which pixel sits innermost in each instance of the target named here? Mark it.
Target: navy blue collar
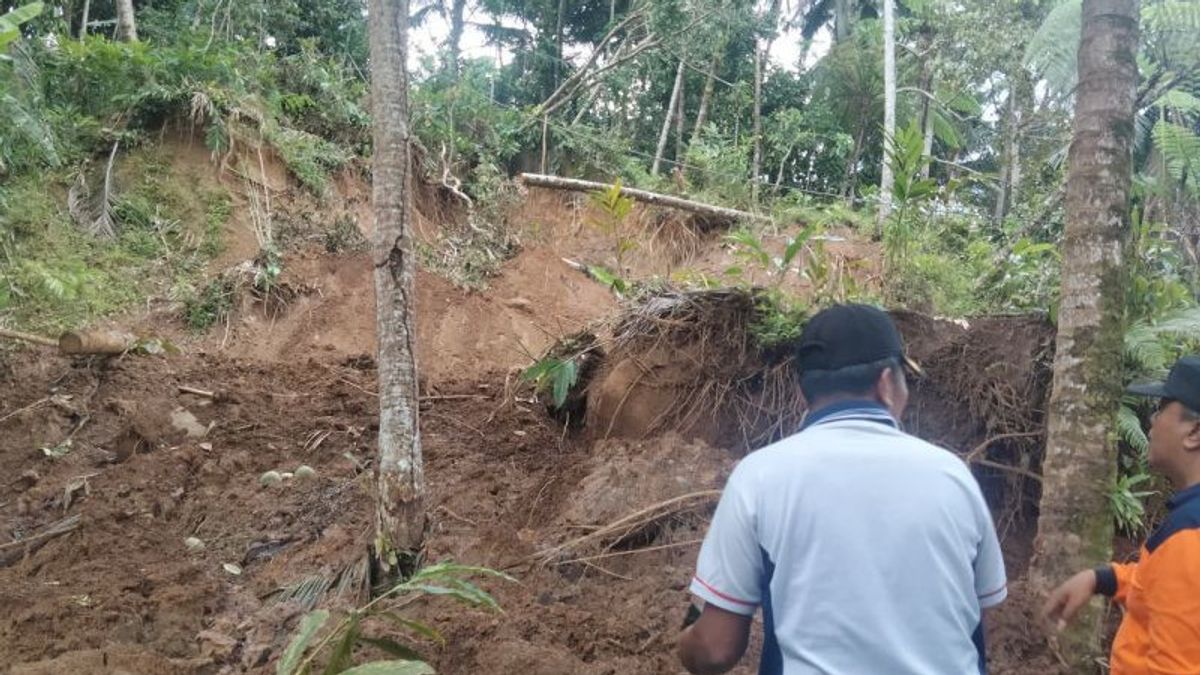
(864, 409)
(1183, 496)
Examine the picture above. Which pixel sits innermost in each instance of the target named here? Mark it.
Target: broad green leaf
(564, 378)
(24, 13)
(416, 627)
(391, 668)
(392, 647)
(789, 254)
(309, 626)
(339, 660)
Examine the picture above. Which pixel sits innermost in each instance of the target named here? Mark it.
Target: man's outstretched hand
(1065, 601)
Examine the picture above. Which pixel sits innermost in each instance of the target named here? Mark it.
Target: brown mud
(145, 466)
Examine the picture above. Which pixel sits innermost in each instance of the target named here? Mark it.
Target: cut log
(96, 342)
(26, 337)
(652, 198)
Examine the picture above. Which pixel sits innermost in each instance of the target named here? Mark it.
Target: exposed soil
(148, 466)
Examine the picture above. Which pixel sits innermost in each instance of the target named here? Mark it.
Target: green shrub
(210, 306)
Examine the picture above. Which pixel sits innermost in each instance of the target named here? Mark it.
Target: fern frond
(1144, 350)
(1129, 428)
(1183, 324)
(1180, 148)
(1179, 101)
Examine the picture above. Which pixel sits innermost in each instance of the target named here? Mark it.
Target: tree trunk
(83, 24)
(927, 146)
(1075, 525)
(843, 19)
(886, 179)
(126, 23)
(1003, 188)
(400, 509)
(666, 125)
(679, 121)
(850, 182)
(710, 82)
(558, 41)
(756, 163)
(927, 115)
(457, 23)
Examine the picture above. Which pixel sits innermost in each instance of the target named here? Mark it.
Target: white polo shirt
(870, 550)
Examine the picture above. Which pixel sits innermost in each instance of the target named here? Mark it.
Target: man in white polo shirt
(870, 551)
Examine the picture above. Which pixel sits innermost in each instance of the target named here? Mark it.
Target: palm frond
(945, 131)
(94, 211)
(1052, 51)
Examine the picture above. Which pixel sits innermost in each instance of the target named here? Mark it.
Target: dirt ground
(143, 466)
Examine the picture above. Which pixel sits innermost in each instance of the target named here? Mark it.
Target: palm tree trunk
(400, 508)
(1075, 524)
(887, 180)
(126, 23)
(666, 125)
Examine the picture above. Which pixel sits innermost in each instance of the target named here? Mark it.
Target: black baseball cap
(1182, 384)
(851, 335)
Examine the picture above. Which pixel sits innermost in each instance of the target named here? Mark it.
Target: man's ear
(885, 387)
(1191, 442)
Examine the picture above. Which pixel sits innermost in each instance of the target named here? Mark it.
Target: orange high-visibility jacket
(1160, 632)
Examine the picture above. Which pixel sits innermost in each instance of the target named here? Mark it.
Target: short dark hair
(856, 380)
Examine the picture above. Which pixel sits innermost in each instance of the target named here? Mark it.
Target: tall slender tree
(668, 116)
(887, 180)
(1075, 525)
(126, 22)
(400, 507)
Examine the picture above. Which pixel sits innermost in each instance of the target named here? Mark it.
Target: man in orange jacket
(1160, 632)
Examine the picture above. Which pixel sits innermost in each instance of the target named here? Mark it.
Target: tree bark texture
(665, 133)
(844, 13)
(710, 82)
(927, 113)
(1075, 525)
(457, 24)
(126, 23)
(680, 119)
(886, 179)
(400, 509)
(83, 23)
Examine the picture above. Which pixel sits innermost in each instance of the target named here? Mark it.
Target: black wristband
(1106, 581)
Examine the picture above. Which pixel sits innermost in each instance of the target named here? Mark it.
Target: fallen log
(27, 337)
(96, 342)
(644, 196)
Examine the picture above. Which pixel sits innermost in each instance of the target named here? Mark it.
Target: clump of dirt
(125, 589)
(536, 298)
(688, 362)
(984, 396)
